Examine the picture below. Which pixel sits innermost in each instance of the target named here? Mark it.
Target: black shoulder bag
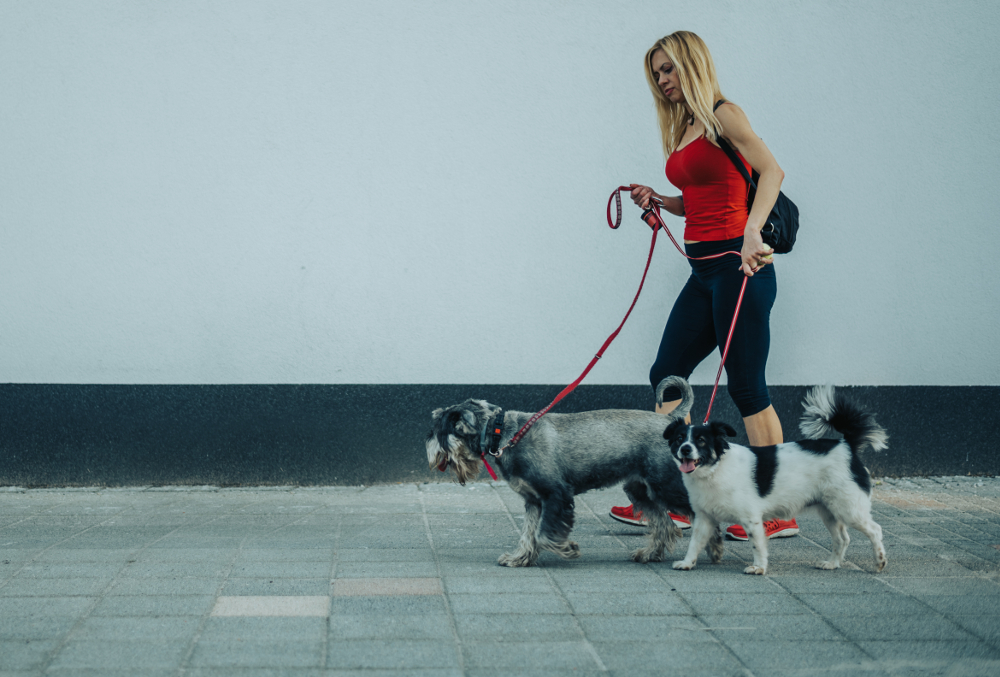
(782, 223)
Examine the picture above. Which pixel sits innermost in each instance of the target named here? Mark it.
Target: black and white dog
(567, 454)
(732, 483)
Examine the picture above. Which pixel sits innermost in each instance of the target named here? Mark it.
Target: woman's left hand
(755, 254)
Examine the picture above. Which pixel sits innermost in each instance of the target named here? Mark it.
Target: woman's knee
(750, 400)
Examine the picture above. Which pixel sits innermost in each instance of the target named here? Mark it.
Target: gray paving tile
(986, 628)
(257, 652)
(899, 628)
(25, 628)
(118, 655)
(25, 655)
(151, 629)
(378, 626)
(519, 627)
(673, 654)
(508, 603)
(712, 603)
(644, 628)
(736, 627)
(514, 656)
(928, 653)
(637, 581)
(391, 654)
(871, 604)
(154, 605)
(839, 581)
(759, 656)
(612, 604)
(181, 585)
(53, 587)
(250, 555)
(384, 555)
(284, 587)
(281, 569)
(491, 586)
(389, 569)
(105, 672)
(963, 605)
(174, 569)
(410, 604)
(44, 607)
(104, 570)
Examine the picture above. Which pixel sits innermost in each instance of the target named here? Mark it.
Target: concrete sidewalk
(387, 579)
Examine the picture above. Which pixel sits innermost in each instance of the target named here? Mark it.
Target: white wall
(408, 192)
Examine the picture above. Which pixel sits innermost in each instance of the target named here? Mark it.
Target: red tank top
(715, 194)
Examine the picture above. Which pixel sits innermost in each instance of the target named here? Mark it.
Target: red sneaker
(773, 529)
(629, 516)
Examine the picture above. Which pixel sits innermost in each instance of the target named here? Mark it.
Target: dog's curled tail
(826, 411)
(687, 396)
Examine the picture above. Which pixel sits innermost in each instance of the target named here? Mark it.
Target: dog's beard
(456, 455)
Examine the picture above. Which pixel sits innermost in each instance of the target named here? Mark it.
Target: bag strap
(728, 150)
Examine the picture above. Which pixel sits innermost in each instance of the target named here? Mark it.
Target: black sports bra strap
(717, 104)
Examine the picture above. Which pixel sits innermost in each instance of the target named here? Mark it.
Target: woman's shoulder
(727, 109)
(733, 120)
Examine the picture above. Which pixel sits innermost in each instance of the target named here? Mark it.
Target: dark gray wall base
(107, 435)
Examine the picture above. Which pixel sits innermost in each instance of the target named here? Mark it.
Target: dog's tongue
(687, 465)
(443, 465)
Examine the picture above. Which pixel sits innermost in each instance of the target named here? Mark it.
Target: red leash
(652, 218)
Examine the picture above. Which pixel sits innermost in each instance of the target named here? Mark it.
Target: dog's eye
(701, 441)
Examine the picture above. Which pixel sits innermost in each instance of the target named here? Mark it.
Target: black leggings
(700, 319)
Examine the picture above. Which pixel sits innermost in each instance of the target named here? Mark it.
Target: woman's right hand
(641, 195)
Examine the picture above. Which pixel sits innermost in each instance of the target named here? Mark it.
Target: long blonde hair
(696, 72)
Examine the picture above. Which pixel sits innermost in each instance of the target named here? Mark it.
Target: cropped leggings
(700, 319)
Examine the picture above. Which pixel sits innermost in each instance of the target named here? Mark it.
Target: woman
(692, 115)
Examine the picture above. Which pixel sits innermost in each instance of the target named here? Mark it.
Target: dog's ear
(719, 429)
(719, 433)
(672, 428)
(463, 422)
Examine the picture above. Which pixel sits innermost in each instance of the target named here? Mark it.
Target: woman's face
(666, 77)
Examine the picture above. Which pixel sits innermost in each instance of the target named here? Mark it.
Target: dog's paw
(644, 555)
(755, 570)
(828, 565)
(684, 565)
(570, 550)
(880, 562)
(515, 560)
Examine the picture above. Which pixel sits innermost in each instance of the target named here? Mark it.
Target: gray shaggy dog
(563, 455)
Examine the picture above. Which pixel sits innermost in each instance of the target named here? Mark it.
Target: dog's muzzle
(687, 464)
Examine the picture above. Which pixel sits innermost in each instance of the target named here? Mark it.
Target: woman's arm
(642, 194)
(736, 129)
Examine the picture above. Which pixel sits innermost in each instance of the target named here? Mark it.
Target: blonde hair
(696, 72)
